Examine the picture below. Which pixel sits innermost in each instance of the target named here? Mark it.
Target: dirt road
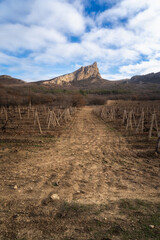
(89, 163)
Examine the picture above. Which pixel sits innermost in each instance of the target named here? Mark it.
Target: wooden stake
(39, 125)
(141, 122)
(19, 110)
(151, 127)
(155, 118)
(6, 114)
(129, 121)
(34, 115)
(56, 118)
(124, 116)
(48, 116)
(30, 105)
(28, 112)
(158, 145)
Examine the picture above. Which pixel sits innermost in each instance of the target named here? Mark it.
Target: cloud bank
(42, 39)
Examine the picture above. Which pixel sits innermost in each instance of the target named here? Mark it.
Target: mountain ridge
(86, 76)
(82, 73)
(147, 78)
(8, 80)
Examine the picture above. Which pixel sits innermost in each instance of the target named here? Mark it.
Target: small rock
(151, 226)
(55, 184)
(15, 187)
(55, 197)
(78, 192)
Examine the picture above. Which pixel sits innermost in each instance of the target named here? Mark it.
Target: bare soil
(88, 166)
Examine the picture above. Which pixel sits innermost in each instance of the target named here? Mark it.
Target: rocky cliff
(148, 78)
(83, 73)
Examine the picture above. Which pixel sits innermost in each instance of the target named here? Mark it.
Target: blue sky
(43, 39)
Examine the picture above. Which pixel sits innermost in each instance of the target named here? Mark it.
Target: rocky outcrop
(148, 78)
(83, 73)
(87, 72)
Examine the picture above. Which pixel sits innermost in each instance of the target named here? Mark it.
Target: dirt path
(89, 163)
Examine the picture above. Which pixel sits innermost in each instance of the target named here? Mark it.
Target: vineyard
(141, 119)
(68, 174)
(30, 119)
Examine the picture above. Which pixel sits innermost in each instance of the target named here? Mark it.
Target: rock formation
(83, 73)
(148, 78)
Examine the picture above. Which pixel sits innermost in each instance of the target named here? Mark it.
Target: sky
(42, 39)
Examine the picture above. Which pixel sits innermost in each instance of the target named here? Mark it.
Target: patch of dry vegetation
(133, 219)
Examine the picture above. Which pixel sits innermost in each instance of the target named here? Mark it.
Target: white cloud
(56, 14)
(14, 11)
(17, 36)
(46, 28)
(143, 67)
(59, 53)
(5, 59)
(117, 37)
(123, 9)
(114, 76)
(42, 22)
(25, 69)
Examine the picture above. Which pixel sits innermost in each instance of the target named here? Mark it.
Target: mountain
(89, 72)
(148, 78)
(86, 80)
(87, 77)
(8, 80)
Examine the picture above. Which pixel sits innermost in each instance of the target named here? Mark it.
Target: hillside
(85, 81)
(148, 78)
(8, 80)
